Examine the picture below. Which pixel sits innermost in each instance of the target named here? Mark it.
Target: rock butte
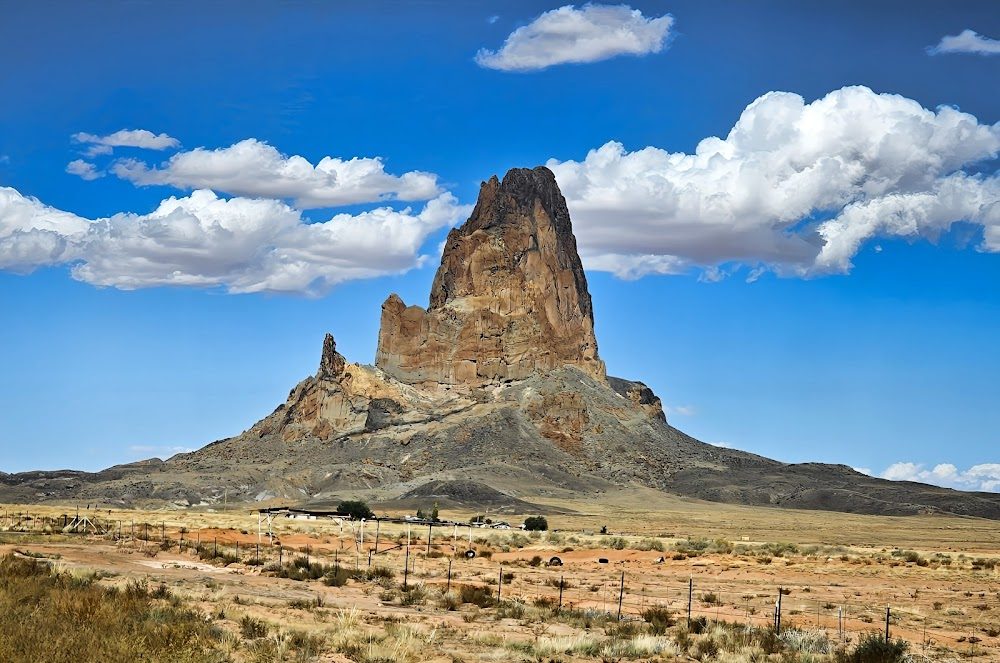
(493, 394)
(509, 300)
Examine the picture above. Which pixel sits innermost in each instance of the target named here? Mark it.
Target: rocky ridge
(494, 392)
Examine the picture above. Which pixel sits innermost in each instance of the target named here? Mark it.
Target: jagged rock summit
(509, 300)
(492, 395)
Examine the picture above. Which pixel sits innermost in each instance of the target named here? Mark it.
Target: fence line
(616, 592)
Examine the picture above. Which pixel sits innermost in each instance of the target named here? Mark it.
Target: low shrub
(659, 619)
(450, 601)
(512, 609)
(649, 544)
(252, 628)
(480, 596)
(413, 595)
(614, 542)
(873, 648)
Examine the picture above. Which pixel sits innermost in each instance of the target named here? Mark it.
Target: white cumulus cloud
(83, 169)
(202, 240)
(967, 41)
(588, 34)
(34, 235)
(797, 187)
(140, 138)
(256, 169)
(983, 477)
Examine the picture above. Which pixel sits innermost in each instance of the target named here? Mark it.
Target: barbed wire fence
(610, 591)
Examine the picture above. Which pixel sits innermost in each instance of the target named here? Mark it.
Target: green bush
(356, 509)
(536, 524)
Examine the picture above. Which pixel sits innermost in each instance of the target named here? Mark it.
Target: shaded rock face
(509, 300)
(331, 363)
(337, 400)
(640, 394)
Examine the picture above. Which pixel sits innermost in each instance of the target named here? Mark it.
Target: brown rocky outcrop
(341, 399)
(509, 300)
(639, 394)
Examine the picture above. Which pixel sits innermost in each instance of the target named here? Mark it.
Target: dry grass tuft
(59, 618)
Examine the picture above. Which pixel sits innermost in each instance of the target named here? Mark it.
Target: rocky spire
(509, 300)
(331, 364)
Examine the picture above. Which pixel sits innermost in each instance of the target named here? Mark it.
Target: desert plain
(643, 576)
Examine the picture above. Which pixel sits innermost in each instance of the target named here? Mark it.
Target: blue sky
(191, 199)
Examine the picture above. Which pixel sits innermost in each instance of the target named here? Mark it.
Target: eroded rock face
(509, 300)
(337, 401)
(641, 395)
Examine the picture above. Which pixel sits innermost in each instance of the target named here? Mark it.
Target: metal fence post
(690, 596)
(777, 614)
(621, 595)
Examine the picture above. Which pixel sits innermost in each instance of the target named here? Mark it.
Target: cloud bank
(983, 477)
(240, 245)
(588, 34)
(967, 41)
(794, 188)
(255, 169)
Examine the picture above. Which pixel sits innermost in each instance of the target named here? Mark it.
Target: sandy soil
(943, 604)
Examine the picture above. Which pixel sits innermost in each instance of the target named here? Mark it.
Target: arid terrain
(837, 573)
(497, 385)
(491, 402)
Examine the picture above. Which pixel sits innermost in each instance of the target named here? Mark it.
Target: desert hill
(493, 394)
